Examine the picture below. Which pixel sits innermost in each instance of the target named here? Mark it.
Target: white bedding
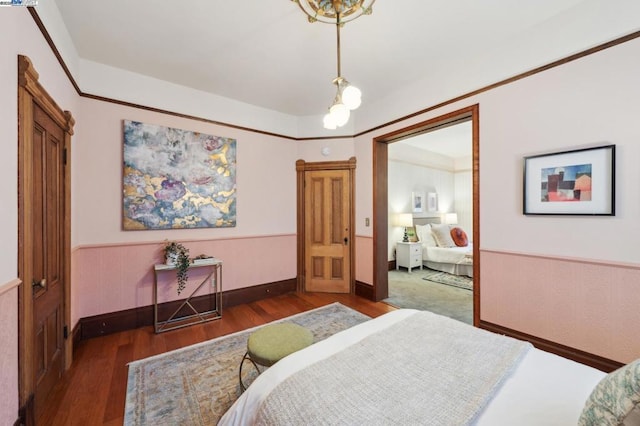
(454, 260)
(453, 255)
(544, 390)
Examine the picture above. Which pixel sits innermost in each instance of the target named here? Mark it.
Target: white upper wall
(265, 179)
(102, 80)
(586, 25)
(578, 28)
(586, 102)
(592, 101)
(15, 23)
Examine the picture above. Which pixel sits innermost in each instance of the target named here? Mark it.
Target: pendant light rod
(338, 12)
(338, 38)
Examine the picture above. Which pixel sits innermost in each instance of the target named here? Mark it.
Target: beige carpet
(413, 291)
(197, 384)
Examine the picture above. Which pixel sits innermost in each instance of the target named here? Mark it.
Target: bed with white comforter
(451, 259)
(514, 385)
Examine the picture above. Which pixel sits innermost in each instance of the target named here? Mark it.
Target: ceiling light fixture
(338, 12)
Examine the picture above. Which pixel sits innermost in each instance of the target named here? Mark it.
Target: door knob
(42, 283)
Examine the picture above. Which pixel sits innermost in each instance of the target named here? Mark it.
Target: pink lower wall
(115, 277)
(591, 306)
(8, 353)
(111, 278)
(364, 264)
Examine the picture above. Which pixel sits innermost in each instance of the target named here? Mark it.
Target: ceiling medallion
(327, 10)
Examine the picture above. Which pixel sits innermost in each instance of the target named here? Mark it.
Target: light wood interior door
(44, 207)
(327, 231)
(47, 225)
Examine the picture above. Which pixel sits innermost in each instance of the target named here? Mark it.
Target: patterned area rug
(460, 281)
(197, 384)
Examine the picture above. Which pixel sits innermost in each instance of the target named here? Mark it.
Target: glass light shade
(351, 97)
(329, 122)
(341, 113)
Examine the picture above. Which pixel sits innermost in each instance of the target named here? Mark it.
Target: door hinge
(64, 156)
(65, 332)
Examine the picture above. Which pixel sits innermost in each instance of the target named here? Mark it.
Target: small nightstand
(408, 255)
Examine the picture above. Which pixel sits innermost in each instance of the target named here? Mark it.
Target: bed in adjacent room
(415, 367)
(441, 252)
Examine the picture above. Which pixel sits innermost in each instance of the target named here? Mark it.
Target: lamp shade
(451, 218)
(340, 114)
(351, 97)
(329, 122)
(403, 219)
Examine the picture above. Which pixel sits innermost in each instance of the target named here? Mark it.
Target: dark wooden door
(47, 250)
(327, 220)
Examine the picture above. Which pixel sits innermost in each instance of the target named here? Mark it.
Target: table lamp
(405, 220)
(451, 218)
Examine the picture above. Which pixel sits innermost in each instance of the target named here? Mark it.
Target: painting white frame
(432, 202)
(417, 202)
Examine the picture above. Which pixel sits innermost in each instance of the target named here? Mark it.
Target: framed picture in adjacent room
(432, 202)
(417, 202)
(576, 182)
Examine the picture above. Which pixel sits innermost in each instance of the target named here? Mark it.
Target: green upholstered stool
(271, 343)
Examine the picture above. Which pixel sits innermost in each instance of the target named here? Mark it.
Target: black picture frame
(579, 182)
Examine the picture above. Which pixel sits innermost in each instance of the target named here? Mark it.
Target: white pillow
(442, 235)
(425, 236)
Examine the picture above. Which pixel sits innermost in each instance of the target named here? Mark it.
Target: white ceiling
(453, 141)
(265, 53)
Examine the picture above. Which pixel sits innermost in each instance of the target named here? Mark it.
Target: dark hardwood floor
(93, 390)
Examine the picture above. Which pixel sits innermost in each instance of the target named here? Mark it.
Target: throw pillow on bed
(615, 400)
(459, 237)
(424, 235)
(442, 235)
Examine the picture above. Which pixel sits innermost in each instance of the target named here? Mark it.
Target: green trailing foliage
(177, 254)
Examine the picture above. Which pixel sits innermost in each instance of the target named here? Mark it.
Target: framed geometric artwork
(176, 179)
(577, 182)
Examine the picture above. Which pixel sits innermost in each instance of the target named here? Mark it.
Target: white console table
(214, 277)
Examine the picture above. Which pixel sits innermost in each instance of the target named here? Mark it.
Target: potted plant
(177, 255)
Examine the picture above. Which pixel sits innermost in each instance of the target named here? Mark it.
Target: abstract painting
(568, 183)
(577, 182)
(176, 179)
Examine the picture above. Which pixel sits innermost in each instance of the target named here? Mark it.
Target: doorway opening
(383, 260)
(430, 188)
